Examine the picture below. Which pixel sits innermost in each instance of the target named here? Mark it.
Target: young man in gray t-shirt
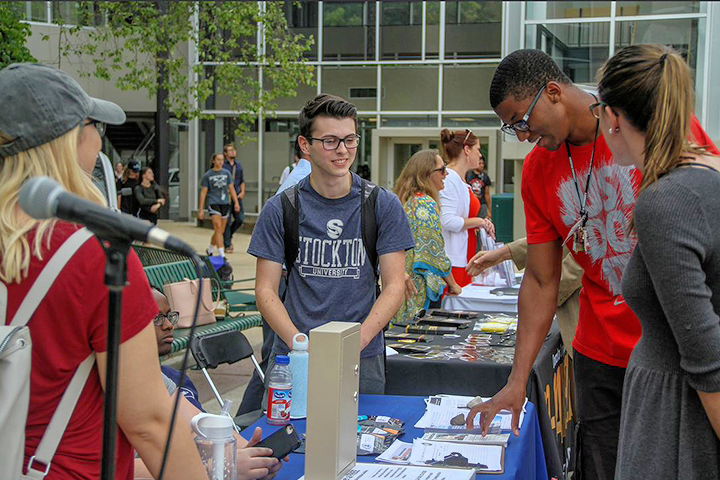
(332, 278)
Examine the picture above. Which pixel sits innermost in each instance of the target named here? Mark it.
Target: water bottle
(279, 392)
(299, 370)
(216, 444)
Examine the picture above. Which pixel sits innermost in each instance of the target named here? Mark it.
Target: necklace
(578, 232)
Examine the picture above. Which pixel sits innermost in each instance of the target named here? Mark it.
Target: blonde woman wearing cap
(56, 133)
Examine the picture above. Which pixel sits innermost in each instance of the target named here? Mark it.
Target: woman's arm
(142, 200)
(201, 207)
(144, 409)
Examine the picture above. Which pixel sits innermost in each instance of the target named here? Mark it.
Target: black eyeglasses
(442, 170)
(332, 143)
(171, 317)
(99, 126)
(596, 108)
(522, 124)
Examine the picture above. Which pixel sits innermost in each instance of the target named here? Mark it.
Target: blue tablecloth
(524, 457)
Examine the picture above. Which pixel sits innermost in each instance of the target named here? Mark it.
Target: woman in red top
(56, 133)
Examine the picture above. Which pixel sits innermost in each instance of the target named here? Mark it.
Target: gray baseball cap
(41, 103)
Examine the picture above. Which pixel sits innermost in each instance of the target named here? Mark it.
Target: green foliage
(13, 34)
(136, 42)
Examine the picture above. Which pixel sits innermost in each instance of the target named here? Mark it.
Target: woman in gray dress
(671, 397)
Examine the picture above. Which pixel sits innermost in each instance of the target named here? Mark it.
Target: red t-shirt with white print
(608, 329)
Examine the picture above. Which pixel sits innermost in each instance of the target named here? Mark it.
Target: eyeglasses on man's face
(332, 143)
(596, 109)
(522, 124)
(171, 317)
(99, 126)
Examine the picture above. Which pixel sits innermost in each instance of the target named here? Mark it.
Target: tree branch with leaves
(128, 49)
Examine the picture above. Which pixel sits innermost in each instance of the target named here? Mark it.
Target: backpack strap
(368, 222)
(47, 277)
(55, 429)
(291, 224)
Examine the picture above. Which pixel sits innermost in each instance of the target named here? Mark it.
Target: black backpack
(368, 225)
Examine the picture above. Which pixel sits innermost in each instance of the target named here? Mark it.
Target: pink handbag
(182, 297)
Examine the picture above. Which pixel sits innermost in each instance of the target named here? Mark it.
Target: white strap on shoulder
(48, 275)
(61, 417)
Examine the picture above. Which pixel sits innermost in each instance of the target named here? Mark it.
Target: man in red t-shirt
(574, 194)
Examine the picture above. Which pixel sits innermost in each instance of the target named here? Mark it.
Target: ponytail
(653, 87)
(669, 125)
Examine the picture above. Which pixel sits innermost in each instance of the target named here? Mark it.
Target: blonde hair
(653, 86)
(415, 177)
(57, 159)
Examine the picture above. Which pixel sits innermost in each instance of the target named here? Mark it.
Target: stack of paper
(441, 409)
(374, 470)
(482, 458)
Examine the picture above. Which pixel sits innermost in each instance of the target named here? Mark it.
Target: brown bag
(182, 297)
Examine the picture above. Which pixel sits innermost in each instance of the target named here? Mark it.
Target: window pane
(38, 11)
(465, 87)
(655, 8)
(413, 121)
(579, 48)
(302, 19)
(473, 30)
(679, 34)
(400, 33)
(73, 13)
(395, 83)
(543, 10)
(304, 93)
(349, 32)
(340, 81)
(457, 121)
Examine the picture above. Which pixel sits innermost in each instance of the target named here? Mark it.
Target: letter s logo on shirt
(334, 228)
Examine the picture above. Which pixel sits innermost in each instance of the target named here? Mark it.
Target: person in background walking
(148, 196)
(218, 190)
(237, 217)
(481, 186)
(119, 169)
(125, 187)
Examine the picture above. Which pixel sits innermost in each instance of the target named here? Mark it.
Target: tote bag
(182, 297)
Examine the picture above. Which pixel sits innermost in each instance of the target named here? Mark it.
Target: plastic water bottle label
(279, 401)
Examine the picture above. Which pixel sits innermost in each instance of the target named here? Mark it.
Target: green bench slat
(182, 335)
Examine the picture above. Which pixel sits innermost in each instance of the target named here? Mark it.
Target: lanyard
(583, 197)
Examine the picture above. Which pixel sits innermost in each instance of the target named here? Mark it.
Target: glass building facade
(421, 66)
(414, 67)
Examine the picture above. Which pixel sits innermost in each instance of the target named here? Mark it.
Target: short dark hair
(522, 74)
(226, 146)
(325, 105)
(298, 151)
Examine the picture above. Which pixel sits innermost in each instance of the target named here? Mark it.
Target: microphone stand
(116, 250)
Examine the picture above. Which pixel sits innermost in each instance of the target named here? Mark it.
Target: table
(477, 298)
(548, 387)
(524, 457)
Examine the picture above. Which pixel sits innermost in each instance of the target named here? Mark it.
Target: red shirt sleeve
(538, 226)
(699, 137)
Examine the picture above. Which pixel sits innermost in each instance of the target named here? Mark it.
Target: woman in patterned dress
(427, 264)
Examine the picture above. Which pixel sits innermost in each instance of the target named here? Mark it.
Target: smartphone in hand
(282, 442)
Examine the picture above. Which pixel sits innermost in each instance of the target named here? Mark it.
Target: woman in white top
(458, 217)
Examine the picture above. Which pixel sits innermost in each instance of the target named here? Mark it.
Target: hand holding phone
(282, 442)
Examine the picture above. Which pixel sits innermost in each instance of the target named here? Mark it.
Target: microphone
(43, 197)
